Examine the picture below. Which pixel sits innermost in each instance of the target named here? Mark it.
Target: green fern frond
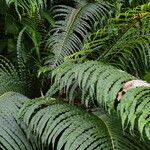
(139, 62)
(9, 78)
(127, 43)
(20, 60)
(62, 126)
(99, 84)
(26, 66)
(126, 35)
(102, 82)
(36, 31)
(134, 110)
(12, 135)
(30, 7)
(72, 27)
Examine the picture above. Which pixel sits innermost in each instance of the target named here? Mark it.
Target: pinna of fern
(12, 134)
(90, 77)
(51, 124)
(20, 77)
(72, 26)
(124, 42)
(99, 84)
(63, 126)
(30, 7)
(9, 77)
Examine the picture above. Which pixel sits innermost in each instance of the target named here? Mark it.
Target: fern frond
(26, 65)
(100, 81)
(12, 135)
(123, 42)
(139, 62)
(9, 78)
(20, 60)
(134, 110)
(72, 27)
(99, 84)
(62, 126)
(30, 7)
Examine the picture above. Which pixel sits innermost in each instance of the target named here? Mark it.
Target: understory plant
(62, 67)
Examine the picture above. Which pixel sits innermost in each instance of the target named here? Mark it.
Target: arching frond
(12, 135)
(27, 6)
(62, 126)
(134, 110)
(124, 42)
(72, 26)
(139, 61)
(100, 81)
(131, 48)
(21, 75)
(9, 78)
(20, 58)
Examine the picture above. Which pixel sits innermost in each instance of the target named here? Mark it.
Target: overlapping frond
(100, 83)
(97, 81)
(9, 77)
(12, 135)
(139, 61)
(124, 42)
(72, 26)
(134, 110)
(27, 6)
(62, 126)
(22, 66)
(132, 42)
(18, 78)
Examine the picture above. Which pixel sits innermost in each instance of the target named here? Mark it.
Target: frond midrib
(109, 132)
(73, 18)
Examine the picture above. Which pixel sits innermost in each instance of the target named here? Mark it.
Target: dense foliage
(62, 65)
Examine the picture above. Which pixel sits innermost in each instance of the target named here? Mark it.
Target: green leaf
(60, 125)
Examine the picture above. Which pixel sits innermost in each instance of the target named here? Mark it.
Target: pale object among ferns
(131, 84)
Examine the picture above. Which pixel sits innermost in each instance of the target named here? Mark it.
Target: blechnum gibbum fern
(9, 77)
(50, 124)
(123, 42)
(72, 26)
(90, 77)
(22, 76)
(99, 84)
(12, 133)
(63, 126)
